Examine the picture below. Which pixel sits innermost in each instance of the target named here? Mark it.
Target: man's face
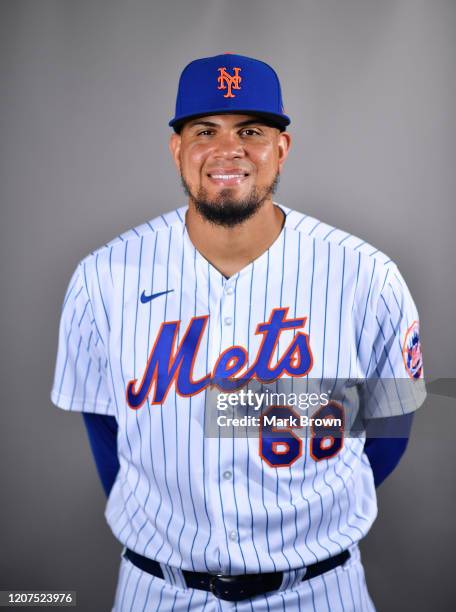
(229, 164)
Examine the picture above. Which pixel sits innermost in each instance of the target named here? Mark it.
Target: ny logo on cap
(228, 80)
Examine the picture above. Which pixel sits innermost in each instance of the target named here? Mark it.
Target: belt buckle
(218, 581)
(212, 587)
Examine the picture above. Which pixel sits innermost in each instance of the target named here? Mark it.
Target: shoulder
(370, 270)
(356, 252)
(102, 271)
(146, 230)
(340, 240)
(134, 238)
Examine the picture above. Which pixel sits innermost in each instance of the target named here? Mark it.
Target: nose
(228, 145)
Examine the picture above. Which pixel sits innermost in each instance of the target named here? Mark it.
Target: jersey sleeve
(80, 379)
(394, 383)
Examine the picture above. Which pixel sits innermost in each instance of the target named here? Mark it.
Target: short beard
(225, 211)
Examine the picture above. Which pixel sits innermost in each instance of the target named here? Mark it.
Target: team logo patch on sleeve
(411, 351)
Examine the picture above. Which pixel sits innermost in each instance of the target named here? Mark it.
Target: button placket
(216, 345)
(227, 330)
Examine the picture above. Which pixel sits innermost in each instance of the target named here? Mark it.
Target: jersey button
(227, 475)
(233, 536)
(229, 290)
(228, 320)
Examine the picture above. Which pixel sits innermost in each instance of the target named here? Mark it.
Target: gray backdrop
(87, 88)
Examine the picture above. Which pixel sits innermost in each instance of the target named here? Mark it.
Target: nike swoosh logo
(147, 298)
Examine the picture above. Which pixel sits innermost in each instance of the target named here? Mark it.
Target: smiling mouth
(230, 178)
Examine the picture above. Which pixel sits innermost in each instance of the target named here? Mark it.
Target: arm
(383, 452)
(102, 432)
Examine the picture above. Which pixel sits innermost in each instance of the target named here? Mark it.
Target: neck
(229, 249)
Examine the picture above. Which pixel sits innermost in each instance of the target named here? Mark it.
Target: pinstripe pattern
(213, 504)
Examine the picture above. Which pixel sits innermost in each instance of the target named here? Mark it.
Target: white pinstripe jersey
(212, 503)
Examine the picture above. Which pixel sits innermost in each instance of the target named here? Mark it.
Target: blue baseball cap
(229, 83)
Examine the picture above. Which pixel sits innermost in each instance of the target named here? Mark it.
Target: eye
(206, 132)
(251, 132)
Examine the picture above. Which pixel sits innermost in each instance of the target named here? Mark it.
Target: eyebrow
(240, 124)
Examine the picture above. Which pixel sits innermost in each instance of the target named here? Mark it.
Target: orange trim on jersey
(174, 351)
(280, 452)
(230, 377)
(278, 429)
(264, 333)
(314, 435)
(245, 375)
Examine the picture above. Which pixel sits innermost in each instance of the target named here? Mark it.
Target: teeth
(226, 176)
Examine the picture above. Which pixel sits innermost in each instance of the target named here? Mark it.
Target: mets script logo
(230, 81)
(169, 365)
(412, 352)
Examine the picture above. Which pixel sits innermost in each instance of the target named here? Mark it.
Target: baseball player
(228, 295)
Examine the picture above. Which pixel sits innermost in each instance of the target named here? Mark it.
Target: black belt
(235, 588)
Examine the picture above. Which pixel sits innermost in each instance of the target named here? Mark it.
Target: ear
(174, 147)
(284, 144)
